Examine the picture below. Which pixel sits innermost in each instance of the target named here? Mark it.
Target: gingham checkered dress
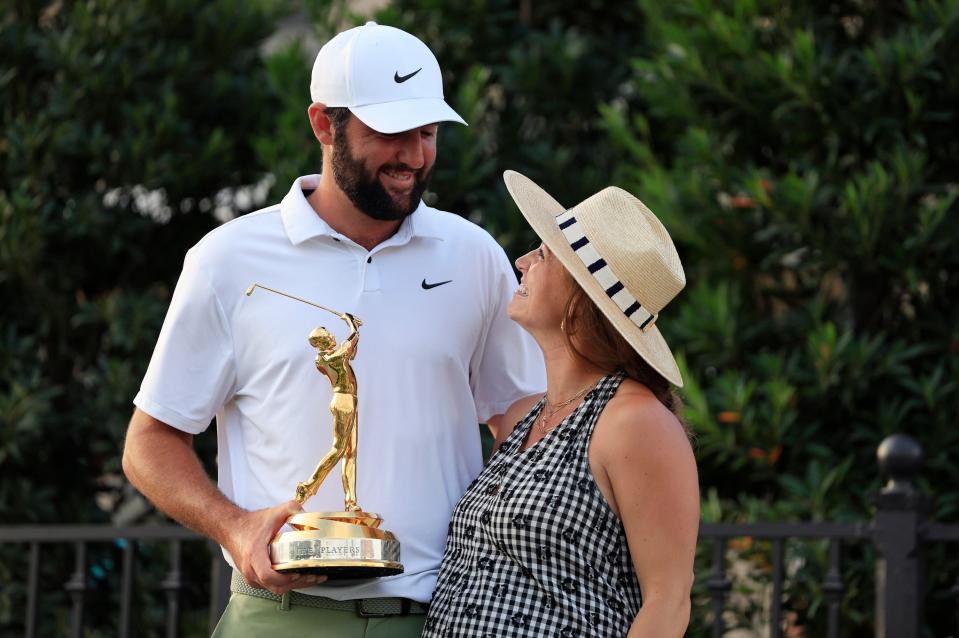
(533, 547)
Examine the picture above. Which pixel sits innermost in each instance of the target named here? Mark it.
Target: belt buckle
(362, 613)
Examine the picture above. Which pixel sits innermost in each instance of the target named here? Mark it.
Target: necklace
(549, 408)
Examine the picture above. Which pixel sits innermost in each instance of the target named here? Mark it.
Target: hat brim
(404, 115)
(540, 210)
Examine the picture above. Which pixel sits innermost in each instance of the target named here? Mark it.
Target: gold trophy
(346, 544)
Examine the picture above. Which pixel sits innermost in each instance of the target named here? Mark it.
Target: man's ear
(322, 127)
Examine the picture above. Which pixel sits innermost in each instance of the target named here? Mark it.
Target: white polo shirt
(437, 355)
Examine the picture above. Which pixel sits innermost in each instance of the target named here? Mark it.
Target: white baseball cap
(388, 78)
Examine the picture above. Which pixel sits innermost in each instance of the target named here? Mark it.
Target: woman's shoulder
(636, 423)
(516, 413)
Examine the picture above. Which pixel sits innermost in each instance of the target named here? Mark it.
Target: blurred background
(804, 155)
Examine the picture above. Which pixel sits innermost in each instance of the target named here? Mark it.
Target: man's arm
(502, 425)
(159, 461)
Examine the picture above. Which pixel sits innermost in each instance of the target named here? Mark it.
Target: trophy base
(369, 569)
(339, 545)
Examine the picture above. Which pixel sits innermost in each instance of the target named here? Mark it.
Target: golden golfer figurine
(334, 364)
(346, 544)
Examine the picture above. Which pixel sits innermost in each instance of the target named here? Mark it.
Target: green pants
(252, 617)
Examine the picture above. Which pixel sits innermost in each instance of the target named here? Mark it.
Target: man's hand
(249, 545)
(160, 462)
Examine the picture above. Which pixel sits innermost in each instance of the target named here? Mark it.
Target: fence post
(900, 510)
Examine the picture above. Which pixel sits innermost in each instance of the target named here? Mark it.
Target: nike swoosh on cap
(399, 79)
(427, 286)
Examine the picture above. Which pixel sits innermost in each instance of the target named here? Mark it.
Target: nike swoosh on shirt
(399, 79)
(427, 286)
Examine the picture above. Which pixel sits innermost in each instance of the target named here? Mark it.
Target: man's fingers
(269, 578)
(263, 526)
(308, 580)
(278, 582)
(250, 577)
(283, 583)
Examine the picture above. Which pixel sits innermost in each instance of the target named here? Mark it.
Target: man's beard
(365, 191)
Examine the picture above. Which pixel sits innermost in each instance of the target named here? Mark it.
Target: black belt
(365, 607)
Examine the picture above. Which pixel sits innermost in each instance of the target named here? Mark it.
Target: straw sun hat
(619, 253)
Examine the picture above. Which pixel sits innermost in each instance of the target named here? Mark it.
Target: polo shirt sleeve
(509, 364)
(192, 373)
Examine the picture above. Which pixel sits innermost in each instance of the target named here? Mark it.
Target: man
(438, 352)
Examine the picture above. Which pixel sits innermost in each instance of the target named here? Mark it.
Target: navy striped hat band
(603, 274)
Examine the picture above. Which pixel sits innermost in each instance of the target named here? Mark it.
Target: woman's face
(545, 287)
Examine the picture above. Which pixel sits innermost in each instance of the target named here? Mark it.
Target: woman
(584, 521)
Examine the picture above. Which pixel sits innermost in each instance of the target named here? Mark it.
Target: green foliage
(803, 156)
(528, 78)
(124, 122)
(813, 203)
(805, 159)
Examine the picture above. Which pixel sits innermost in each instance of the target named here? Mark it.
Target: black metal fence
(898, 532)
(129, 539)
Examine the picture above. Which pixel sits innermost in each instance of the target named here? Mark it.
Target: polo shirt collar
(301, 222)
